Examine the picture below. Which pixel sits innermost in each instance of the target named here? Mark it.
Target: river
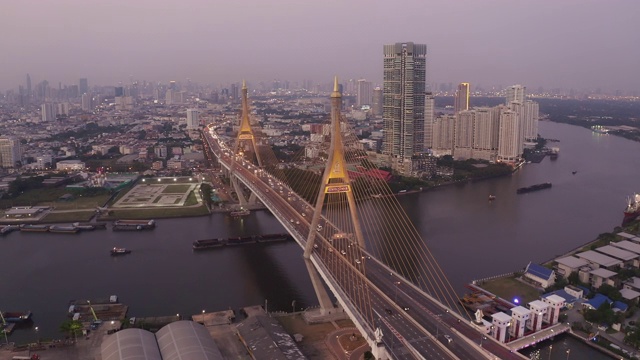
(163, 276)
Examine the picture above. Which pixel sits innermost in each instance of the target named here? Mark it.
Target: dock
(224, 317)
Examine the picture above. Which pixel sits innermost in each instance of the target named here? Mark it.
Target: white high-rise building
(531, 116)
(63, 108)
(192, 119)
(443, 133)
(10, 151)
(515, 93)
(87, 102)
(429, 117)
(509, 137)
(364, 93)
(48, 112)
(403, 105)
(486, 133)
(463, 138)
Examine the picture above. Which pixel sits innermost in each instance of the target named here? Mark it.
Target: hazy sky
(551, 43)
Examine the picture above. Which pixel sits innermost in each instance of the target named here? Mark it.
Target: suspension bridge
(356, 239)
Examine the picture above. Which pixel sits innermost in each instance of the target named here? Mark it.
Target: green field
(176, 189)
(508, 288)
(156, 213)
(73, 216)
(50, 196)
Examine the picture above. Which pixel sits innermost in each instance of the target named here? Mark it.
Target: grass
(176, 189)
(49, 197)
(191, 199)
(73, 216)
(509, 288)
(156, 213)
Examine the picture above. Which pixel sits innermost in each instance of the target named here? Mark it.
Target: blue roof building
(620, 306)
(597, 301)
(540, 275)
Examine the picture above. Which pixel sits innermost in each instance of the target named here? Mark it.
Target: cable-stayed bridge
(358, 240)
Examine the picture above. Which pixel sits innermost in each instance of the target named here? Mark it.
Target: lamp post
(37, 338)
(395, 297)
(550, 348)
(568, 352)
(202, 317)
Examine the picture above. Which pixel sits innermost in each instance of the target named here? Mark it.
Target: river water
(471, 237)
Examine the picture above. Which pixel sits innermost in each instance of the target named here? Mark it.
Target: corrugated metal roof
(132, 344)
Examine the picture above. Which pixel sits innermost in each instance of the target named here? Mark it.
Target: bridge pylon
(335, 187)
(246, 148)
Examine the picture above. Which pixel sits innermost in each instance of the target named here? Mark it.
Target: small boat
(574, 172)
(16, 316)
(119, 251)
(8, 228)
(492, 197)
(239, 213)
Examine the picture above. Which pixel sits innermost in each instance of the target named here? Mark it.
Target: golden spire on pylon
(336, 89)
(244, 84)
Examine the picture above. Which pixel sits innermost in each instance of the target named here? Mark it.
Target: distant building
(193, 121)
(443, 133)
(364, 94)
(48, 112)
(540, 275)
(461, 100)
(87, 102)
(509, 137)
(429, 117)
(63, 109)
(124, 103)
(160, 151)
(376, 102)
(83, 85)
(10, 152)
(70, 165)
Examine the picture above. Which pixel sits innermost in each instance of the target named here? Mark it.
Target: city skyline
(562, 45)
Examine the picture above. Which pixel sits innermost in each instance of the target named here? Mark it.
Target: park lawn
(176, 189)
(509, 288)
(191, 199)
(74, 216)
(50, 196)
(156, 213)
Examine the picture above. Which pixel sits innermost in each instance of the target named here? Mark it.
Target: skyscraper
(429, 118)
(364, 93)
(463, 134)
(48, 112)
(403, 102)
(192, 119)
(508, 139)
(87, 102)
(376, 106)
(485, 133)
(461, 100)
(443, 130)
(83, 85)
(28, 86)
(531, 116)
(515, 93)
(10, 152)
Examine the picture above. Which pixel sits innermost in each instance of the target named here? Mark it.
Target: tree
(610, 292)
(71, 327)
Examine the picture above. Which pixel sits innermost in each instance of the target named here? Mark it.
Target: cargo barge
(133, 225)
(221, 242)
(536, 187)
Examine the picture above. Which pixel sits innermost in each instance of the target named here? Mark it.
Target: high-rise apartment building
(429, 117)
(403, 102)
(83, 85)
(530, 123)
(376, 106)
(515, 93)
(10, 152)
(463, 134)
(192, 119)
(509, 137)
(87, 102)
(63, 108)
(485, 133)
(461, 99)
(443, 134)
(48, 112)
(364, 93)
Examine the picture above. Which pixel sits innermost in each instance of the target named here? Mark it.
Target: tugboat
(240, 213)
(574, 172)
(536, 187)
(116, 251)
(17, 317)
(492, 197)
(632, 210)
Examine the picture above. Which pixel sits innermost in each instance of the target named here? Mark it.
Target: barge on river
(221, 242)
(133, 225)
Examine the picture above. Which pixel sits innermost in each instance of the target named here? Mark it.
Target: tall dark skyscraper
(403, 102)
(28, 85)
(83, 86)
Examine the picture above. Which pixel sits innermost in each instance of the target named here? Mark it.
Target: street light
(202, 317)
(550, 348)
(37, 339)
(568, 352)
(395, 297)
